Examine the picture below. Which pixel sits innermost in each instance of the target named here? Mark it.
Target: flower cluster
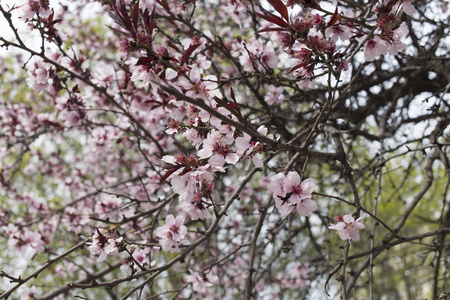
(137, 256)
(296, 279)
(192, 180)
(292, 194)
(389, 40)
(39, 76)
(347, 227)
(27, 243)
(200, 281)
(171, 235)
(302, 36)
(103, 245)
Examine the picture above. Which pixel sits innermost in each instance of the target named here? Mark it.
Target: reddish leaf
(280, 7)
(148, 20)
(168, 173)
(272, 18)
(174, 47)
(145, 61)
(120, 16)
(135, 15)
(54, 22)
(50, 18)
(117, 30)
(273, 29)
(116, 19)
(235, 105)
(151, 27)
(309, 3)
(189, 52)
(334, 18)
(164, 4)
(295, 68)
(50, 123)
(124, 12)
(232, 95)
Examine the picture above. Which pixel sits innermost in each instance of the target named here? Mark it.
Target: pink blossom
(274, 95)
(143, 73)
(216, 148)
(186, 185)
(201, 282)
(109, 206)
(301, 190)
(193, 136)
(374, 47)
(338, 32)
(114, 245)
(276, 186)
(103, 245)
(28, 243)
(259, 54)
(348, 228)
(97, 248)
(26, 12)
(297, 277)
(284, 207)
(171, 235)
(198, 86)
(396, 44)
(290, 194)
(317, 41)
(11, 229)
(300, 193)
(39, 76)
(30, 292)
(172, 127)
(236, 10)
(202, 62)
(197, 205)
(192, 177)
(99, 137)
(246, 149)
(71, 117)
(195, 209)
(139, 256)
(300, 274)
(407, 7)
